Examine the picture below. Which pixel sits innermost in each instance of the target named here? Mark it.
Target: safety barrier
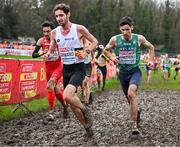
(21, 80)
(25, 80)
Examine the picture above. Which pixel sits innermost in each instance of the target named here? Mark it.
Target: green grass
(6, 112)
(157, 83)
(17, 57)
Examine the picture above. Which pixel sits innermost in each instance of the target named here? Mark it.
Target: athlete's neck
(66, 29)
(127, 38)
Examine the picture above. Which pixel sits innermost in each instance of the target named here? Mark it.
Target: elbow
(152, 48)
(96, 43)
(33, 55)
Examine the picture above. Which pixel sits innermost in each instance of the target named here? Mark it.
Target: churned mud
(160, 123)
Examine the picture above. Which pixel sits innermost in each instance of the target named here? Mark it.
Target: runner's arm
(84, 33)
(36, 52)
(107, 52)
(52, 43)
(143, 41)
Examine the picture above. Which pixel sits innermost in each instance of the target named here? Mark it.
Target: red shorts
(54, 69)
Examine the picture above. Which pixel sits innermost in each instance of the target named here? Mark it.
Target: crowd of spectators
(16, 45)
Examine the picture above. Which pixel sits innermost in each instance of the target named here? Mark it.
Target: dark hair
(126, 20)
(62, 6)
(47, 24)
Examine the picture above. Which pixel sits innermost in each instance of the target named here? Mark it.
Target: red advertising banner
(21, 80)
(24, 80)
(8, 81)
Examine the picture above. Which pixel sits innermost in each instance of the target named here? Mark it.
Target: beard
(63, 23)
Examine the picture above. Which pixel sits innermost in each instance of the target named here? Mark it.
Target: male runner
(53, 67)
(101, 60)
(69, 38)
(127, 48)
(89, 56)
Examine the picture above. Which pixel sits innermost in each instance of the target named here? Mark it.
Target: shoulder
(40, 41)
(141, 38)
(53, 33)
(81, 28)
(113, 38)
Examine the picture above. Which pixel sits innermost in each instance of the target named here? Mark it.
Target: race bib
(127, 57)
(68, 55)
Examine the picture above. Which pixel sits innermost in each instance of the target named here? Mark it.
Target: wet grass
(157, 83)
(17, 57)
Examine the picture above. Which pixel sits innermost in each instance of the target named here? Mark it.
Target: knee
(51, 84)
(68, 93)
(131, 94)
(66, 96)
(85, 83)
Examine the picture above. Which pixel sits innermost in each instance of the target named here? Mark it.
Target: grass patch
(157, 83)
(18, 57)
(6, 112)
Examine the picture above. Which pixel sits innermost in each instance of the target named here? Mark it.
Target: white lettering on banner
(28, 87)
(27, 67)
(27, 83)
(2, 85)
(4, 90)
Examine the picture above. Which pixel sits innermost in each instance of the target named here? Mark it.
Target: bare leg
(133, 107)
(133, 102)
(76, 105)
(86, 89)
(149, 76)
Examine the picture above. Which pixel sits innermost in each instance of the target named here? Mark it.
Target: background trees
(157, 21)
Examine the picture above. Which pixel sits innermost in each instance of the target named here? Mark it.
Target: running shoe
(138, 117)
(89, 133)
(135, 130)
(50, 117)
(88, 117)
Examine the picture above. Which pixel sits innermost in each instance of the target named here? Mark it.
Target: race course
(159, 123)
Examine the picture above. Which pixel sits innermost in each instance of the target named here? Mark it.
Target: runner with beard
(53, 67)
(69, 38)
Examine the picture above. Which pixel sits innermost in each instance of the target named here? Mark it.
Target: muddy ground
(160, 123)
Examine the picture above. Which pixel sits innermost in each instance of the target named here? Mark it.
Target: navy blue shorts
(127, 79)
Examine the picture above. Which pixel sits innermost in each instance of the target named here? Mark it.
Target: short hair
(126, 20)
(47, 24)
(62, 6)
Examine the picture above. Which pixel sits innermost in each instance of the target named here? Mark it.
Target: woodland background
(158, 22)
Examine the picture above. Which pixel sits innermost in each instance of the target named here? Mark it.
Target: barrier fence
(21, 81)
(25, 80)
